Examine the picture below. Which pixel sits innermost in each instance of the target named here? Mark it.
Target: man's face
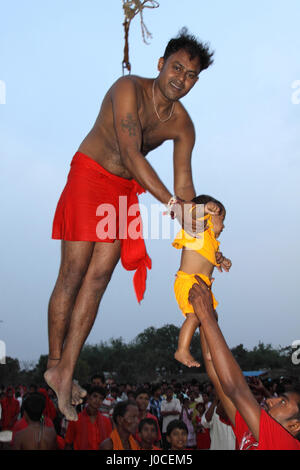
(178, 74)
(95, 400)
(142, 401)
(178, 439)
(130, 420)
(169, 394)
(149, 434)
(282, 409)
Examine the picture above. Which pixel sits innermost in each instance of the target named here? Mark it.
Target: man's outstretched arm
(227, 370)
(210, 370)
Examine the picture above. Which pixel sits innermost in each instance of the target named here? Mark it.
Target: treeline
(149, 357)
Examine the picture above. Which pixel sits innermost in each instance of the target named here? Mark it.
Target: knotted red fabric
(99, 206)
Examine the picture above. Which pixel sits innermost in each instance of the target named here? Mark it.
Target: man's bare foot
(62, 386)
(78, 393)
(186, 358)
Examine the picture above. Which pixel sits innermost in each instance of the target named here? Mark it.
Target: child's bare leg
(187, 331)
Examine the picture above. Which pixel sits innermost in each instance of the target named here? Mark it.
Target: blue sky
(57, 60)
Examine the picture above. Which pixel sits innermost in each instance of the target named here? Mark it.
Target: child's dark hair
(192, 46)
(204, 199)
(176, 424)
(149, 421)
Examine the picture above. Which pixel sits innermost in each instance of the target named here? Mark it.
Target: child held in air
(200, 255)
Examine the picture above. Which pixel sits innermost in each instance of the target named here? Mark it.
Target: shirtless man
(137, 115)
(36, 436)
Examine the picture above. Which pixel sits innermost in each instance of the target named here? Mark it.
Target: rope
(131, 9)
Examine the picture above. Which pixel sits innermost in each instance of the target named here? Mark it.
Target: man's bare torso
(36, 437)
(101, 143)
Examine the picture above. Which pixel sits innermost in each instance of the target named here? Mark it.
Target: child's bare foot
(186, 358)
(62, 386)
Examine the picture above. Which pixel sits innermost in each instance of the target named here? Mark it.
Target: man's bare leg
(75, 259)
(187, 331)
(103, 261)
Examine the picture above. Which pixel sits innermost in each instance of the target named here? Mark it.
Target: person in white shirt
(170, 410)
(221, 433)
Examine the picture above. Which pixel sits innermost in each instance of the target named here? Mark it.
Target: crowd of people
(167, 416)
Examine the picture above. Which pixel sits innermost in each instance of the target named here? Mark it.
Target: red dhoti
(98, 206)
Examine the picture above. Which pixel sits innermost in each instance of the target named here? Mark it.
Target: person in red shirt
(203, 434)
(148, 434)
(92, 427)
(10, 410)
(142, 398)
(277, 427)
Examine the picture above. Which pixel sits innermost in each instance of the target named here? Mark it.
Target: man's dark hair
(192, 46)
(97, 389)
(204, 199)
(121, 408)
(142, 390)
(149, 421)
(34, 405)
(155, 387)
(98, 376)
(176, 424)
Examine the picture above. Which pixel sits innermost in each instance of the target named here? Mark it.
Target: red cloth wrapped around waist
(99, 206)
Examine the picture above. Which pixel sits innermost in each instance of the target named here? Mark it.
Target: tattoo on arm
(129, 125)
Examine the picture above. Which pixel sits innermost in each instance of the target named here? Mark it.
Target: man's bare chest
(154, 134)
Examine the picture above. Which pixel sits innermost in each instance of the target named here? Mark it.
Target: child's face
(149, 434)
(218, 223)
(142, 401)
(178, 439)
